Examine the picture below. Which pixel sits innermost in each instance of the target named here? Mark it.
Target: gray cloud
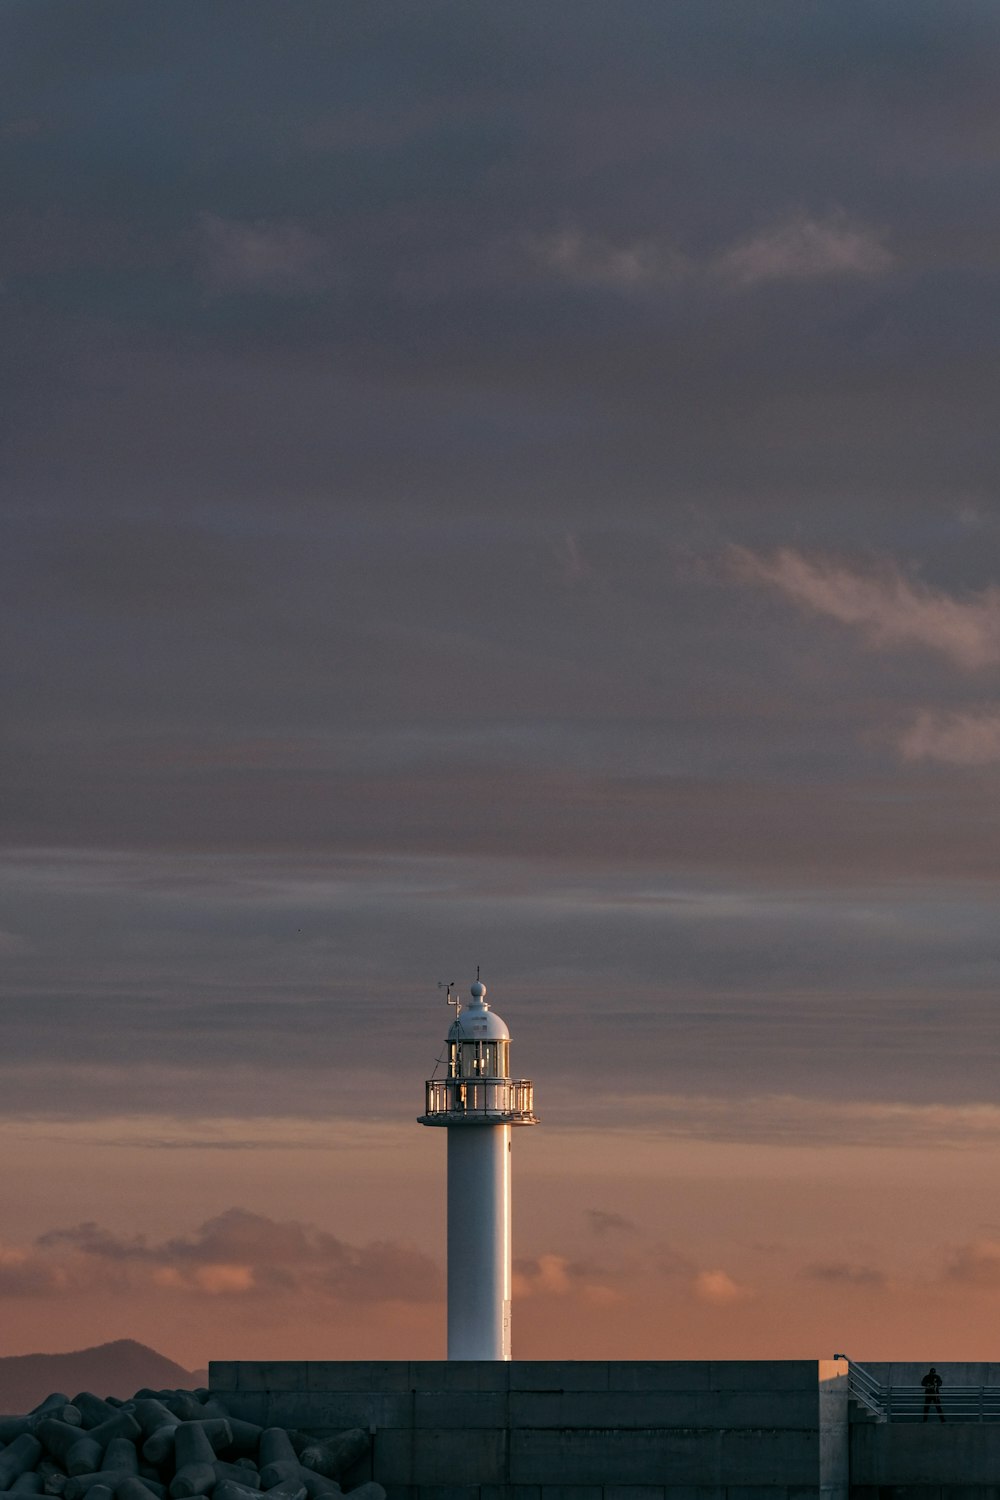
(243, 1253)
(23, 1274)
(801, 248)
(378, 397)
(603, 1222)
(846, 1273)
(216, 984)
(976, 1264)
(795, 248)
(277, 258)
(592, 261)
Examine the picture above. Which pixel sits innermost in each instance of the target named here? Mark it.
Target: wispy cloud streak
(802, 248)
(957, 739)
(890, 610)
(593, 260)
(272, 257)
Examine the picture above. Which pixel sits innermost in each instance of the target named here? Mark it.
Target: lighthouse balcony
(479, 1101)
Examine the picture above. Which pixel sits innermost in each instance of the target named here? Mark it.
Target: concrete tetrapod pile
(181, 1444)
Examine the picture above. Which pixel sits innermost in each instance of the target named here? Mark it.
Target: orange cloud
(557, 1276)
(224, 1279)
(547, 1275)
(718, 1287)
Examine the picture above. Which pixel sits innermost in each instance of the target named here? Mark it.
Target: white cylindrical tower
(478, 1102)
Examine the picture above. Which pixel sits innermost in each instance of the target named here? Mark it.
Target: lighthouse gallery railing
(480, 1096)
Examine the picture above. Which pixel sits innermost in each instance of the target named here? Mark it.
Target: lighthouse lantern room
(477, 1101)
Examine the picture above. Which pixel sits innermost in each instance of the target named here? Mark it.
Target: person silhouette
(932, 1383)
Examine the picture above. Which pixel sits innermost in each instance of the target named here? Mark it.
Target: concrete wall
(834, 1449)
(581, 1430)
(907, 1461)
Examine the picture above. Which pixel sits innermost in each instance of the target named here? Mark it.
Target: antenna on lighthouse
(451, 997)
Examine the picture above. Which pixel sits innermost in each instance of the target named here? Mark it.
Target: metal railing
(911, 1403)
(479, 1100)
(958, 1403)
(866, 1390)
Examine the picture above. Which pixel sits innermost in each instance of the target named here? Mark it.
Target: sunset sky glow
(505, 484)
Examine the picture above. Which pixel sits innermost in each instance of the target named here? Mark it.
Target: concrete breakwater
(548, 1430)
(570, 1430)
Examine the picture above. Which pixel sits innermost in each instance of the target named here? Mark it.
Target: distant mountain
(117, 1369)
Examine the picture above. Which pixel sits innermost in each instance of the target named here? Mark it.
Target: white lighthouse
(478, 1102)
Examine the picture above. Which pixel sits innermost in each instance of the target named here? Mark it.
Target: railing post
(980, 1403)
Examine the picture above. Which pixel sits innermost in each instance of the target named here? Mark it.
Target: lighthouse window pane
(479, 1059)
(468, 1060)
(494, 1059)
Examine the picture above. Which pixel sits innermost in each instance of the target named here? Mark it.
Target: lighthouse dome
(477, 1022)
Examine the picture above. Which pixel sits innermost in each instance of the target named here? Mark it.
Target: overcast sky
(518, 485)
